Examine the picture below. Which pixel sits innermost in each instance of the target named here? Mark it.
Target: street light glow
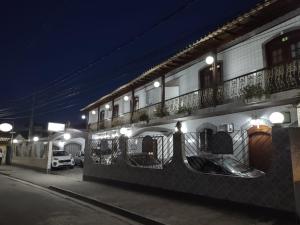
(83, 117)
(209, 60)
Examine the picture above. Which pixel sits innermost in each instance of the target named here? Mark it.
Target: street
(28, 205)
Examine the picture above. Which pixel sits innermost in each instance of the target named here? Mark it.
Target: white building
(229, 80)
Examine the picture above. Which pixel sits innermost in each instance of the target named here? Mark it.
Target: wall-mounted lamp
(35, 139)
(276, 118)
(126, 98)
(209, 60)
(107, 106)
(93, 112)
(83, 117)
(156, 84)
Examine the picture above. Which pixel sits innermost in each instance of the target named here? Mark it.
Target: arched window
(283, 49)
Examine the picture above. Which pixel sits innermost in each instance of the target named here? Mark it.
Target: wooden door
(260, 147)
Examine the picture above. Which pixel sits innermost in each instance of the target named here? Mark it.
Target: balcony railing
(265, 81)
(121, 120)
(147, 113)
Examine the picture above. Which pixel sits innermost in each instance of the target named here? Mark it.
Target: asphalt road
(28, 205)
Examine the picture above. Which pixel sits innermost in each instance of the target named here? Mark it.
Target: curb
(108, 207)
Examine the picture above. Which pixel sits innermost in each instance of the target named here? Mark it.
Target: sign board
(56, 127)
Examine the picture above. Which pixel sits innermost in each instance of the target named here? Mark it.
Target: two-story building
(227, 88)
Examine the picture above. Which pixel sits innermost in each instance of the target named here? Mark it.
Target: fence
(150, 151)
(224, 153)
(105, 151)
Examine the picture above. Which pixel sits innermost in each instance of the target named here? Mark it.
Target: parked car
(62, 159)
(225, 165)
(79, 159)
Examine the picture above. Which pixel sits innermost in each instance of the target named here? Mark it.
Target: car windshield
(234, 164)
(60, 153)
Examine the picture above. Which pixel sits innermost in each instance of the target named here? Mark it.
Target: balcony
(254, 85)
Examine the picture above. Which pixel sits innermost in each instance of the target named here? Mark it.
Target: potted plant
(184, 109)
(144, 117)
(161, 112)
(253, 93)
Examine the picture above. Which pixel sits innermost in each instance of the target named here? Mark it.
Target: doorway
(260, 147)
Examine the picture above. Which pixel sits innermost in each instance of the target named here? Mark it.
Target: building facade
(223, 89)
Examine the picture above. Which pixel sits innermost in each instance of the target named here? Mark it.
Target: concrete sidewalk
(166, 210)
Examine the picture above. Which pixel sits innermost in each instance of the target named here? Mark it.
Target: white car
(62, 159)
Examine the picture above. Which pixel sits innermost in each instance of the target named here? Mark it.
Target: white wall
(93, 118)
(248, 56)
(171, 92)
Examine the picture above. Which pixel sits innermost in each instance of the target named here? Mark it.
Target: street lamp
(83, 117)
(5, 127)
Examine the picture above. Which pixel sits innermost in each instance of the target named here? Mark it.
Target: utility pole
(31, 122)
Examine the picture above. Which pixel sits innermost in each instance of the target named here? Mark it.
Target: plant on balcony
(253, 91)
(144, 117)
(184, 109)
(161, 112)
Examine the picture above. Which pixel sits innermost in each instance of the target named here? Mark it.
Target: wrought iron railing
(227, 154)
(147, 113)
(150, 151)
(105, 151)
(121, 120)
(93, 126)
(265, 81)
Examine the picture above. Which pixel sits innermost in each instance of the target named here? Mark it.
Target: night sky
(70, 53)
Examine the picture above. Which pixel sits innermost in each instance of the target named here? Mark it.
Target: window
(206, 76)
(283, 49)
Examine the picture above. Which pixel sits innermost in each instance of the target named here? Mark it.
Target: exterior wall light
(107, 106)
(35, 139)
(123, 130)
(156, 84)
(209, 60)
(256, 122)
(126, 98)
(83, 117)
(61, 144)
(276, 118)
(15, 141)
(67, 136)
(93, 112)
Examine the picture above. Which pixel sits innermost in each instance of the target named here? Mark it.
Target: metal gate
(72, 148)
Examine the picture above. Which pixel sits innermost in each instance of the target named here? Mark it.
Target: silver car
(225, 165)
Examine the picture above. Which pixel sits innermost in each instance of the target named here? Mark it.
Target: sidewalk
(162, 209)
